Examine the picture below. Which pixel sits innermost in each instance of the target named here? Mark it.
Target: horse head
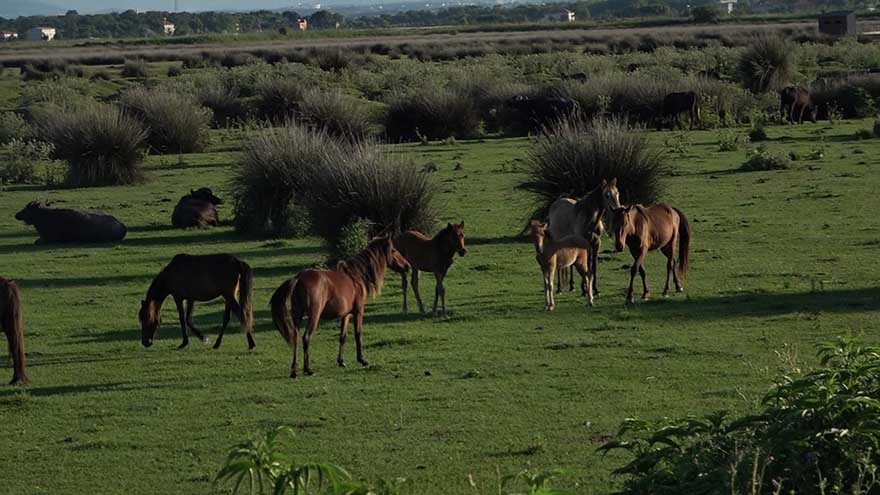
(456, 237)
(206, 194)
(150, 320)
(538, 231)
(610, 194)
(394, 259)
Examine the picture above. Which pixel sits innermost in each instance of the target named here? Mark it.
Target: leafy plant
(729, 141)
(27, 162)
(535, 483)
(767, 65)
(759, 159)
(136, 68)
(13, 126)
(175, 123)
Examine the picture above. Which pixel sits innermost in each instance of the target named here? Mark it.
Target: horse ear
(604, 182)
(448, 225)
(614, 182)
(461, 224)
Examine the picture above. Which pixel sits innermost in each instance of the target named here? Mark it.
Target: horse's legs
(343, 333)
(594, 264)
(403, 283)
(314, 318)
(583, 267)
(293, 341)
(440, 293)
(415, 286)
(559, 280)
(190, 306)
(182, 314)
(358, 335)
(226, 311)
(571, 279)
(636, 266)
(669, 251)
(644, 280)
(234, 307)
(547, 280)
(551, 304)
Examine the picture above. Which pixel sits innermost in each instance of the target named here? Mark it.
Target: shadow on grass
(505, 239)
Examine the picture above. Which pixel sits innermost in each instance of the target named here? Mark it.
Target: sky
(40, 7)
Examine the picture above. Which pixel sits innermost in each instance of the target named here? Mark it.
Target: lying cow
(675, 104)
(794, 102)
(196, 209)
(69, 225)
(538, 111)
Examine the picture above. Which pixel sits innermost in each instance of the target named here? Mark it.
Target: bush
(352, 239)
(338, 114)
(758, 133)
(767, 65)
(572, 158)
(760, 159)
(13, 126)
(729, 141)
(432, 113)
(705, 14)
(278, 99)
(102, 145)
(27, 162)
(101, 75)
(175, 71)
(224, 102)
(176, 124)
(815, 432)
(876, 129)
(135, 69)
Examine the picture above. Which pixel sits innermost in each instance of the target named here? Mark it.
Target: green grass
(782, 260)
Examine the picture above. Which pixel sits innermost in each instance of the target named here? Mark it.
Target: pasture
(782, 260)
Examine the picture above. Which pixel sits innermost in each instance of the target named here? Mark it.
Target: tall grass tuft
(176, 124)
(339, 115)
(136, 69)
(432, 114)
(573, 157)
(102, 145)
(767, 65)
(278, 99)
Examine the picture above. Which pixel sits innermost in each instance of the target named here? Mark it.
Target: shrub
(278, 99)
(26, 162)
(176, 124)
(101, 75)
(574, 157)
(433, 113)
(135, 69)
(767, 64)
(13, 126)
(815, 432)
(102, 145)
(223, 101)
(175, 71)
(758, 133)
(760, 159)
(338, 114)
(729, 141)
(352, 239)
(876, 129)
(705, 14)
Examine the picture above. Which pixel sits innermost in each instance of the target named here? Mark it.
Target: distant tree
(705, 14)
(324, 19)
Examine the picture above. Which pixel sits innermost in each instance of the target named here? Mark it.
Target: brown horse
(646, 229)
(551, 254)
(340, 293)
(190, 278)
(430, 254)
(13, 325)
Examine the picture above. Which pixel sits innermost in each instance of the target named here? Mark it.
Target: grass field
(782, 260)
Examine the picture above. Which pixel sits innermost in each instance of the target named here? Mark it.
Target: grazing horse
(538, 111)
(188, 279)
(13, 325)
(340, 293)
(196, 209)
(430, 254)
(646, 229)
(551, 254)
(675, 104)
(794, 101)
(69, 225)
(583, 217)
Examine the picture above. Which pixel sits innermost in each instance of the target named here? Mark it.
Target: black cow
(196, 209)
(674, 104)
(538, 111)
(795, 101)
(69, 225)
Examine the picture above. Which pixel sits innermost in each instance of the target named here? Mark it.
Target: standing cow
(794, 102)
(677, 103)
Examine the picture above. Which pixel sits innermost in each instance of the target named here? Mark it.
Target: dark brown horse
(13, 325)
(340, 293)
(190, 278)
(646, 229)
(196, 209)
(430, 254)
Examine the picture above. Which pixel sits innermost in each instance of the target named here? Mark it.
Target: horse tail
(13, 323)
(684, 245)
(281, 314)
(246, 296)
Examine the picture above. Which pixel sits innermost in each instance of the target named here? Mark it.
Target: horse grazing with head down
(188, 279)
(655, 227)
(13, 325)
(583, 217)
(430, 254)
(553, 254)
(340, 293)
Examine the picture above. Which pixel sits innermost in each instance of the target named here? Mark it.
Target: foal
(13, 326)
(340, 293)
(569, 251)
(190, 278)
(430, 254)
(646, 229)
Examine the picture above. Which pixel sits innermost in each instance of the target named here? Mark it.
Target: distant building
(168, 27)
(8, 35)
(727, 6)
(562, 15)
(838, 23)
(302, 24)
(40, 34)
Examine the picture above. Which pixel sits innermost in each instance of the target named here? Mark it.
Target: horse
(188, 279)
(551, 254)
(13, 325)
(674, 104)
(196, 209)
(583, 217)
(646, 229)
(794, 101)
(69, 225)
(339, 293)
(430, 254)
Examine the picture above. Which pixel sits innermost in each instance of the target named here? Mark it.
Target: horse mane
(439, 235)
(588, 200)
(368, 267)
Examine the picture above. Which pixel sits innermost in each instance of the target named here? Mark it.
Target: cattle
(196, 209)
(538, 111)
(70, 225)
(579, 77)
(633, 67)
(794, 102)
(674, 104)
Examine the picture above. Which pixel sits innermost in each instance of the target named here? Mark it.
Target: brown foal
(430, 254)
(569, 251)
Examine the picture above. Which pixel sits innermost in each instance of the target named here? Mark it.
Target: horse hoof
(645, 297)
(630, 302)
(205, 340)
(293, 375)
(216, 345)
(308, 371)
(184, 344)
(341, 363)
(679, 289)
(363, 362)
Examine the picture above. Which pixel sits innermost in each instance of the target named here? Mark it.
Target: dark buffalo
(538, 111)
(196, 209)
(68, 225)
(676, 104)
(794, 102)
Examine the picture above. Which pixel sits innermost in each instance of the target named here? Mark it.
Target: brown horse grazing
(655, 227)
(430, 254)
(340, 293)
(551, 254)
(190, 278)
(13, 325)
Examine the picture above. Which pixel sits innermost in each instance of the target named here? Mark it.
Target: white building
(168, 27)
(8, 35)
(40, 34)
(563, 15)
(727, 6)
